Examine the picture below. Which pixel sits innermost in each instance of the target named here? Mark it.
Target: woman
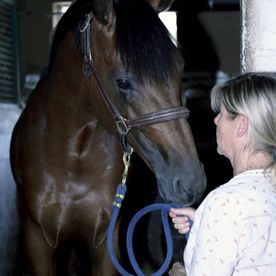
(234, 229)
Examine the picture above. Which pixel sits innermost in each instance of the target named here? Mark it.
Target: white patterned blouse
(234, 232)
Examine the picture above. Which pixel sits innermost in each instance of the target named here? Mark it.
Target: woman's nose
(216, 119)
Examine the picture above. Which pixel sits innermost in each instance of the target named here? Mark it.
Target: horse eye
(123, 84)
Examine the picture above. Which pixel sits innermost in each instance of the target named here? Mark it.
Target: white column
(258, 35)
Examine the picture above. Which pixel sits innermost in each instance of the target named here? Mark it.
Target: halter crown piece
(124, 125)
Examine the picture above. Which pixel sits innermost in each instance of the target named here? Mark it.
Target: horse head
(139, 70)
(133, 68)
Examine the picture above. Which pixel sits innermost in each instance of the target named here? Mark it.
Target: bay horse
(109, 61)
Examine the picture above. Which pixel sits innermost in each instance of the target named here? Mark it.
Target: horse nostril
(177, 184)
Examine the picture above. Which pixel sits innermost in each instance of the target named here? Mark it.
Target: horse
(113, 82)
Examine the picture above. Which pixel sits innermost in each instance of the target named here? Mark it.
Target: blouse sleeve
(213, 245)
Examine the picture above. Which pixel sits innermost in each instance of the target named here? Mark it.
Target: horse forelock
(142, 41)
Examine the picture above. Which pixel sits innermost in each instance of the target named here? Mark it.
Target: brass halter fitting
(126, 160)
(122, 126)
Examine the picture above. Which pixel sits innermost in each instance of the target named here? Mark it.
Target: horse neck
(70, 96)
(68, 92)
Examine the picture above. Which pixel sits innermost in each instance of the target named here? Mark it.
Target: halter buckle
(122, 126)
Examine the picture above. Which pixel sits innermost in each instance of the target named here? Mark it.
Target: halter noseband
(124, 125)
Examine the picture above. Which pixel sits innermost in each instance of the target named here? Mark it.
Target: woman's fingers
(189, 212)
(182, 228)
(180, 218)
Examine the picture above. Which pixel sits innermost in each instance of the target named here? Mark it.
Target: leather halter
(124, 125)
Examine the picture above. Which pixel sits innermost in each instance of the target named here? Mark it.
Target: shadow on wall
(9, 223)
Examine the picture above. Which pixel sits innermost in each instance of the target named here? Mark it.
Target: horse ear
(102, 9)
(160, 5)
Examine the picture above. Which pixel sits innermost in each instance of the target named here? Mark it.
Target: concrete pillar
(258, 35)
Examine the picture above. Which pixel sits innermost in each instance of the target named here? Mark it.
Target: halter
(123, 124)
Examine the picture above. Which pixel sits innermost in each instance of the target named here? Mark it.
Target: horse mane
(142, 41)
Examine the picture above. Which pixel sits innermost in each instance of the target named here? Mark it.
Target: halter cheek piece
(124, 125)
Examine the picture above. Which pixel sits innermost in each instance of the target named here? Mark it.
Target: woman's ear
(242, 125)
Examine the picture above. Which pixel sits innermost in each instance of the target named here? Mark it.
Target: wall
(224, 30)
(35, 30)
(8, 214)
(35, 26)
(9, 223)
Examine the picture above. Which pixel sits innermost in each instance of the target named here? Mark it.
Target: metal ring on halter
(123, 130)
(122, 126)
(86, 22)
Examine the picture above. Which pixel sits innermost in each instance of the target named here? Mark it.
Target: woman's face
(225, 132)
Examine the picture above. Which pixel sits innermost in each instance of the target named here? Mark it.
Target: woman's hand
(180, 218)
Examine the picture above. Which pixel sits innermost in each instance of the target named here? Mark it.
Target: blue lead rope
(120, 194)
(164, 208)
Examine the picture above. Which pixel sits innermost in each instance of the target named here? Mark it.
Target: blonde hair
(254, 95)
